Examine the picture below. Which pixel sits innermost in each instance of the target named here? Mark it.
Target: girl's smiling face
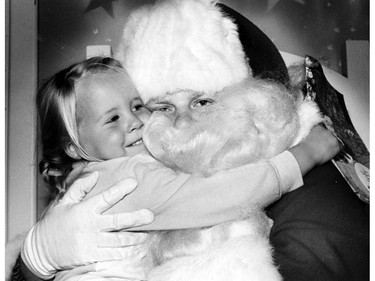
(110, 116)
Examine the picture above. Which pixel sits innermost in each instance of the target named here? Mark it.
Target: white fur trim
(182, 44)
(241, 259)
(309, 115)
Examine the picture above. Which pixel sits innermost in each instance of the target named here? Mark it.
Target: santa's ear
(71, 150)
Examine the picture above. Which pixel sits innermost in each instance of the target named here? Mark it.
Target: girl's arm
(186, 201)
(177, 210)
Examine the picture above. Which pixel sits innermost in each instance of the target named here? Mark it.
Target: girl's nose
(134, 123)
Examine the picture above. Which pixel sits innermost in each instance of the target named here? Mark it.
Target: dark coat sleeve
(321, 231)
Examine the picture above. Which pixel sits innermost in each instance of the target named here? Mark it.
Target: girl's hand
(74, 233)
(318, 147)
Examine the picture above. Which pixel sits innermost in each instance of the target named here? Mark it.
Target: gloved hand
(74, 233)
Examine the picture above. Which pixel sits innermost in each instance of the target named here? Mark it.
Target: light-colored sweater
(181, 200)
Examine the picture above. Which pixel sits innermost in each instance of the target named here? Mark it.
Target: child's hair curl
(56, 104)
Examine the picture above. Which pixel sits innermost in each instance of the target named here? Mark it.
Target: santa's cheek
(151, 137)
(155, 127)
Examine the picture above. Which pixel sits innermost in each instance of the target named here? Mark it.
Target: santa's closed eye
(202, 102)
(165, 108)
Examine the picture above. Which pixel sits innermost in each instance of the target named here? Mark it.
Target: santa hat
(181, 44)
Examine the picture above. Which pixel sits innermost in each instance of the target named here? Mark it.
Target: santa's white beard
(253, 121)
(204, 146)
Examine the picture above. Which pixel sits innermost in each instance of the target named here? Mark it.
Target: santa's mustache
(162, 131)
(203, 148)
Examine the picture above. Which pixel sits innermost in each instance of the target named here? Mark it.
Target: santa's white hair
(181, 44)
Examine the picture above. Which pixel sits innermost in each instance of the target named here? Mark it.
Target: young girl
(92, 112)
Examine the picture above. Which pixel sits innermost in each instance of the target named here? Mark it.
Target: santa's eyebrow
(155, 100)
(197, 95)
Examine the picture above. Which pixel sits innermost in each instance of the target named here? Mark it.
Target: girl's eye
(112, 119)
(202, 102)
(137, 107)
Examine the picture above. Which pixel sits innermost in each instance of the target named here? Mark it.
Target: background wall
(21, 82)
(318, 28)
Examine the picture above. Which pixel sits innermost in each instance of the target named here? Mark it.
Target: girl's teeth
(137, 142)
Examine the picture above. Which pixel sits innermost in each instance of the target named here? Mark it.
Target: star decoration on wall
(107, 5)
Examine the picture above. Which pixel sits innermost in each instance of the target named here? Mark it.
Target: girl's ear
(71, 150)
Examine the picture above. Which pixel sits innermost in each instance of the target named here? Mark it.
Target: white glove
(74, 233)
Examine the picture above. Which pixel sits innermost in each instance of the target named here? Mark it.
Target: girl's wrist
(305, 158)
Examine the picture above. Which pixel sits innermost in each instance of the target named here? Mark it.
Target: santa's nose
(183, 120)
